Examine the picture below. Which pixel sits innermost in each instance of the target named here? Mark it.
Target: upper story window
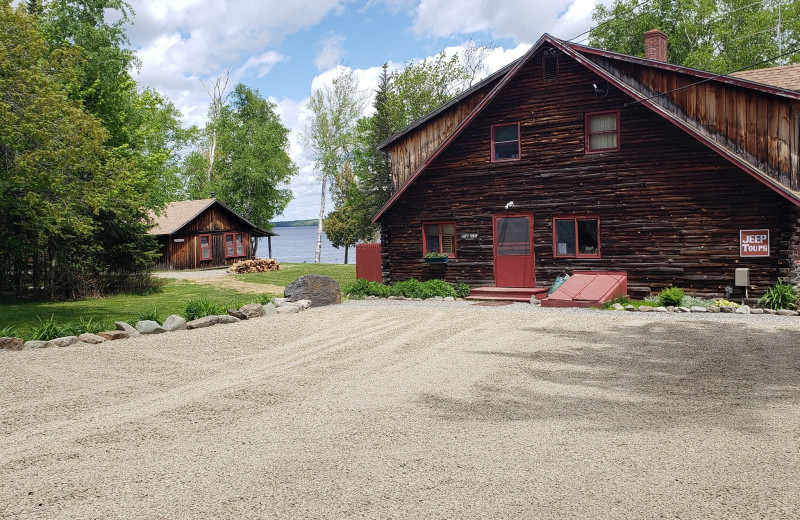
(505, 142)
(205, 247)
(439, 237)
(602, 131)
(576, 237)
(234, 245)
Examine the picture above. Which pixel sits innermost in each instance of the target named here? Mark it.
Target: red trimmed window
(205, 247)
(439, 237)
(576, 237)
(234, 245)
(602, 131)
(505, 142)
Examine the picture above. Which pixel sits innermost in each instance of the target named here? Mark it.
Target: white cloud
(331, 53)
(520, 20)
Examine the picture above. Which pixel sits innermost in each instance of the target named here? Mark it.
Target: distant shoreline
(296, 223)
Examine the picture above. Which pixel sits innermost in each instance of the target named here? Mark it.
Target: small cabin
(575, 159)
(203, 234)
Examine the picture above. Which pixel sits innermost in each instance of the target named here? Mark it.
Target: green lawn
(172, 300)
(344, 274)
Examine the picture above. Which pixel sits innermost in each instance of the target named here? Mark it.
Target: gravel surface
(412, 410)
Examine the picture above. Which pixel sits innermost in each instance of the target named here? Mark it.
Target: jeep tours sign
(754, 242)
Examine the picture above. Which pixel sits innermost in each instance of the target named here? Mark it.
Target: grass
(344, 274)
(24, 317)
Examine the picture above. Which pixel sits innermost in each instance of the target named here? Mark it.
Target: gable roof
(786, 76)
(178, 214)
(577, 52)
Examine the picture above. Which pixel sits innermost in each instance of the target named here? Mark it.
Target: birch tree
(330, 132)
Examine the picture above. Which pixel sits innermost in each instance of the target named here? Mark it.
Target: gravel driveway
(412, 410)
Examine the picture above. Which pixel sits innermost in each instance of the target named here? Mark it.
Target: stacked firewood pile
(257, 265)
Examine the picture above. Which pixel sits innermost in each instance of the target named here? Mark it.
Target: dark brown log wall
(185, 255)
(670, 208)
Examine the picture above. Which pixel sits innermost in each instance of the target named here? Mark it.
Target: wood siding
(409, 152)
(670, 209)
(762, 129)
(186, 255)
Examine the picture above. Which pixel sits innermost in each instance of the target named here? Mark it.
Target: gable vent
(549, 65)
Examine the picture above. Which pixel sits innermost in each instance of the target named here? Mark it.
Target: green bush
(407, 288)
(47, 330)
(410, 289)
(151, 315)
(462, 290)
(670, 297)
(780, 296)
(361, 288)
(201, 308)
(265, 299)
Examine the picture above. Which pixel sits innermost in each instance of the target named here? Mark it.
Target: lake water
(298, 245)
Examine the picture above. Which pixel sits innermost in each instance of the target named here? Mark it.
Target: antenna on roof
(213, 194)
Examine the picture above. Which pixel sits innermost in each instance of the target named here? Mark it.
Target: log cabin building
(202, 234)
(573, 158)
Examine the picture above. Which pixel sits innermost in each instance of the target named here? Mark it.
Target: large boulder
(149, 327)
(10, 343)
(174, 322)
(320, 290)
(127, 329)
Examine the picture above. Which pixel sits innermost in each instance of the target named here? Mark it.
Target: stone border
(172, 323)
(742, 309)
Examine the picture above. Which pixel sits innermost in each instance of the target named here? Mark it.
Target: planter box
(442, 260)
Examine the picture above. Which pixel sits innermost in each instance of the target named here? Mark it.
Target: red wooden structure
(368, 262)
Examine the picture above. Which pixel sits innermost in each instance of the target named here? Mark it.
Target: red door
(513, 250)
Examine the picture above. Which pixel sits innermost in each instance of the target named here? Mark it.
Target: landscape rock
(174, 322)
(713, 308)
(35, 343)
(199, 323)
(252, 310)
(125, 327)
(239, 315)
(280, 301)
(770, 311)
(321, 290)
(303, 304)
(727, 309)
(631, 308)
(682, 309)
(744, 309)
(288, 309)
(149, 327)
(223, 319)
(534, 301)
(93, 339)
(645, 308)
(66, 341)
(756, 311)
(452, 299)
(786, 312)
(11, 343)
(659, 309)
(697, 308)
(112, 335)
(270, 309)
(618, 307)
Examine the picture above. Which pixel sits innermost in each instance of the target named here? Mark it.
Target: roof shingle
(786, 76)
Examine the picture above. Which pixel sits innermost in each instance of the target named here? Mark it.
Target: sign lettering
(468, 236)
(754, 242)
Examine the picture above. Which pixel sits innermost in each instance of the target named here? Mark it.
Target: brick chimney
(655, 45)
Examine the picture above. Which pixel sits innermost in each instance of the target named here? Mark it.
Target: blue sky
(286, 48)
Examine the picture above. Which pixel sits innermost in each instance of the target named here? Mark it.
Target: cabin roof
(786, 76)
(179, 213)
(578, 53)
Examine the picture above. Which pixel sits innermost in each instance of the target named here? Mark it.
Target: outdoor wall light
(510, 204)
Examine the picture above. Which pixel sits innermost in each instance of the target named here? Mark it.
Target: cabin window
(602, 132)
(205, 247)
(439, 237)
(234, 245)
(505, 142)
(576, 237)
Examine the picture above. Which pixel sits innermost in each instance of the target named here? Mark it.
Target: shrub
(201, 308)
(265, 299)
(670, 297)
(780, 296)
(47, 330)
(462, 290)
(439, 288)
(409, 289)
(150, 316)
(361, 288)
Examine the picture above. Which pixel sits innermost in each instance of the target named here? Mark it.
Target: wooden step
(514, 294)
